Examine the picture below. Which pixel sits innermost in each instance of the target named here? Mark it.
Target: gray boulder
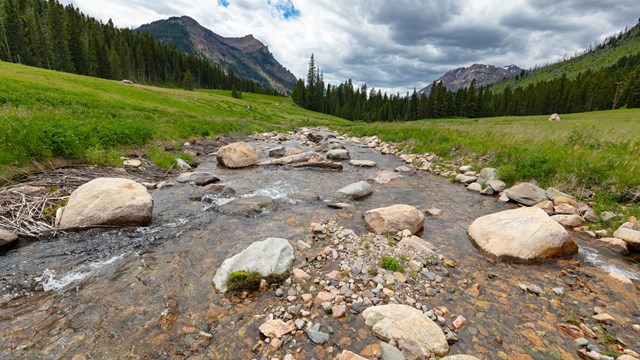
(108, 201)
(497, 185)
(198, 178)
(487, 174)
(522, 234)
(356, 191)
(526, 194)
(338, 154)
(269, 257)
(246, 206)
(278, 151)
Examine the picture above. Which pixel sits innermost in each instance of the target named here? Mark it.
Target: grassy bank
(46, 114)
(595, 151)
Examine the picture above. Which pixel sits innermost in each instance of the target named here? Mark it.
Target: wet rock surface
(147, 292)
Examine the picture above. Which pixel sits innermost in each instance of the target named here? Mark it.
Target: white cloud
(393, 45)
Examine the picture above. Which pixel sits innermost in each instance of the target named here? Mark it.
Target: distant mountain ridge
(484, 75)
(247, 56)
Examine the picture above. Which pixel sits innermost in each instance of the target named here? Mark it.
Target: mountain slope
(484, 75)
(605, 55)
(247, 56)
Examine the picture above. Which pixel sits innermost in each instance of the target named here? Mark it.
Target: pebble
(318, 337)
(558, 291)
(582, 342)
(279, 293)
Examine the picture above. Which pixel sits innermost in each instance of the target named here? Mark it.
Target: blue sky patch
(286, 8)
(224, 3)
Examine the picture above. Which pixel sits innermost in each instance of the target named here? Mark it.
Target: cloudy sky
(393, 45)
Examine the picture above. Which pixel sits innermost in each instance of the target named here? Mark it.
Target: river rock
(630, 236)
(7, 237)
(614, 244)
(348, 355)
(497, 185)
(356, 191)
(390, 352)
(526, 194)
(487, 174)
(304, 196)
(394, 218)
(475, 187)
(198, 178)
(565, 209)
(414, 247)
(571, 221)
(554, 117)
(466, 179)
(363, 163)
(459, 357)
(402, 323)
(278, 151)
(276, 328)
(237, 155)
(317, 337)
(338, 154)
(523, 234)
(246, 206)
(384, 177)
(272, 256)
(553, 193)
(108, 201)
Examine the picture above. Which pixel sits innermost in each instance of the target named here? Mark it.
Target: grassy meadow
(46, 114)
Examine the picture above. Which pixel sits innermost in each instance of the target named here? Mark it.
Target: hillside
(483, 74)
(247, 56)
(603, 56)
(46, 114)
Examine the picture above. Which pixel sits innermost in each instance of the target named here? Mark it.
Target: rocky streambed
(357, 282)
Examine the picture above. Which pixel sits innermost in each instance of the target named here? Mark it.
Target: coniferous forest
(607, 88)
(49, 35)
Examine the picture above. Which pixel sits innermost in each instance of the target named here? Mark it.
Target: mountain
(247, 56)
(484, 75)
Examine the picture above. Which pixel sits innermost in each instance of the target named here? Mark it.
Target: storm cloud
(394, 45)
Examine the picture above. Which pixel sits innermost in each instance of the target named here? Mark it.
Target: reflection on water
(146, 292)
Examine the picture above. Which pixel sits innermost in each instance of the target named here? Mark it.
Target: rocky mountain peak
(484, 75)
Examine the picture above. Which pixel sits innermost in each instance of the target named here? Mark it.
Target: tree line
(47, 34)
(607, 88)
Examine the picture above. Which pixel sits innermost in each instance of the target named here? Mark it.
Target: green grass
(392, 264)
(46, 114)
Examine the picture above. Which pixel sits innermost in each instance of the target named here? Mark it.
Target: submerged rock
(524, 234)
(363, 163)
(272, 256)
(394, 218)
(526, 194)
(246, 206)
(402, 323)
(338, 154)
(237, 155)
(108, 201)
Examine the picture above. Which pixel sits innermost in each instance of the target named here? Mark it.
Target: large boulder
(404, 324)
(7, 237)
(108, 201)
(356, 191)
(522, 234)
(269, 257)
(237, 155)
(526, 194)
(630, 236)
(394, 218)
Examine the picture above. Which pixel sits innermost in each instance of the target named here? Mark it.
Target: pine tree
(187, 81)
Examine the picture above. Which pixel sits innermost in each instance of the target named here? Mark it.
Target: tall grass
(45, 114)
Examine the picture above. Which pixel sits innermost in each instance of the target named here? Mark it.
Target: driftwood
(29, 215)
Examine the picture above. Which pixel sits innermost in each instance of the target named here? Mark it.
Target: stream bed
(146, 292)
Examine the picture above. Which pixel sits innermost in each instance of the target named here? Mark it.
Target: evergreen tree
(187, 81)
